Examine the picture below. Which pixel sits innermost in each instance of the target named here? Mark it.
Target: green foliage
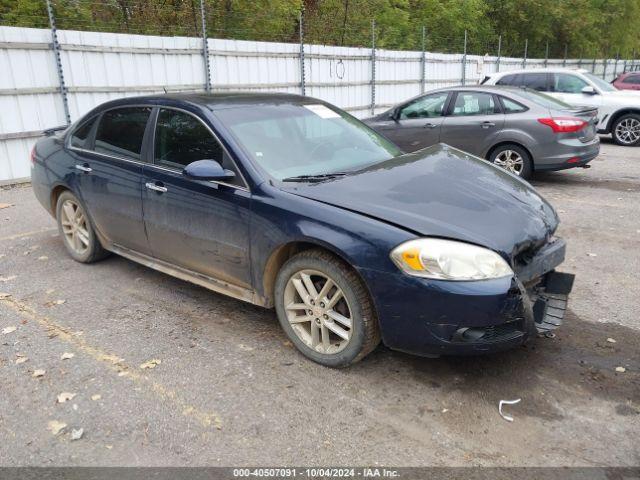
(588, 28)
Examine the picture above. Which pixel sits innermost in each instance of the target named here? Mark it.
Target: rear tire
(512, 158)
(626, 130)
(76, 230)
(333, 324)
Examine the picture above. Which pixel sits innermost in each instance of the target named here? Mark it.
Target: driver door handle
(488, 124)
(155, 187)
(84, 168)
(430, 125)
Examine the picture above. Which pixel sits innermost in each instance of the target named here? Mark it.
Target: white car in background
(619, 110)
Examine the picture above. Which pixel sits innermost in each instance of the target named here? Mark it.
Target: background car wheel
(513, 158)
(76, 230)
(626, 130)
(325, 309)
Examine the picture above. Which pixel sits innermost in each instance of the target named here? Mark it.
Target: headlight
(449, 260)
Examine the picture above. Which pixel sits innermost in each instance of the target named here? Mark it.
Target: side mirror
(394, 114)
(207, 170)
(589, 90)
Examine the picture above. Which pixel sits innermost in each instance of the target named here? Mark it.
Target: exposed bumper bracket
(551, 301)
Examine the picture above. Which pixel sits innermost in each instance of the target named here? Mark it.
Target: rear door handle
(488, 124)
(155, 187)
(430, 125)
(84, 168)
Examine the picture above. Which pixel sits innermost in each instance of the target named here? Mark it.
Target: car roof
(540, 70)
(213, 101)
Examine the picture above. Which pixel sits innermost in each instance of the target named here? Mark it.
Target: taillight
(564, 124)
(33, 156)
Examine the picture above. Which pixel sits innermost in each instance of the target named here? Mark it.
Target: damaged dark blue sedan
(288, 202)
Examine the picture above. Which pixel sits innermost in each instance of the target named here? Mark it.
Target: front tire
(514, 159)
(76, 230)
(626, 130)
(325, 309)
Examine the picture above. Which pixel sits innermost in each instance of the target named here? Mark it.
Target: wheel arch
(511, 142)
(619, 113)
(55, 194)
(284, 252)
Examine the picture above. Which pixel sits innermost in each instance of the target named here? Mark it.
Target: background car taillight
(33, 156)
(564, 124)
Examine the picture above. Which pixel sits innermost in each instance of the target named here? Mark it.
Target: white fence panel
(102, 66)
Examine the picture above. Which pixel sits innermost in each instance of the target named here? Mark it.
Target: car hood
(624, 97)
(443, 192)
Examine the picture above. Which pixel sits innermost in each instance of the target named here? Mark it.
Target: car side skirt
(219, 286)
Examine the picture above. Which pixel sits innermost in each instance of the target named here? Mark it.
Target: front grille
(490, 334)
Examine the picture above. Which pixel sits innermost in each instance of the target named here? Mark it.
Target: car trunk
(589, 115)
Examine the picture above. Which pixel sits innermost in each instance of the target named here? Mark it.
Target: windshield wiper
(314, 178)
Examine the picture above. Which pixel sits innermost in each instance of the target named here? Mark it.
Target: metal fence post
(373, 67)
(56, 52)
(205, 49)
(633, 60)
(464, 59)
(546, 55)
(615, 67)
(423, 66)
(524, 59)
(604, 69)
(303, 88)
(566, 50)
(593, 66)
(499, 52)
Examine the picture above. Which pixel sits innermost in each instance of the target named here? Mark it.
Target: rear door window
(80, 138)
(536, 81)
(474, 103)
(120, 132)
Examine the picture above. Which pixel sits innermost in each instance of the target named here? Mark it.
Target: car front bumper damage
(431, 318)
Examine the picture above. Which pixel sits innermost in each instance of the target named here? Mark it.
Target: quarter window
(567, 83)
(121, 130)
(429, 106)
(513, 80)
(80, 136)
(511, 106)
(182, 139)
(474, 103)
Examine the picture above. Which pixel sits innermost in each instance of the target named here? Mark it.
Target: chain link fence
(55, 76)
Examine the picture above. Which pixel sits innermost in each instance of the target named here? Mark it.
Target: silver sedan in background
(518, 129)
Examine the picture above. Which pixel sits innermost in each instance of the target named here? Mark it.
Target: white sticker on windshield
(322, 111)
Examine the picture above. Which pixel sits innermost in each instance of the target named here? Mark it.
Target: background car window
(633, 79)
(513, 80)
(511, 106)
(121, 130)
(543, 99)
(182, 139)
(535, 81)
(474, 103)
(80, 136)
(428, 106)
(567, 83)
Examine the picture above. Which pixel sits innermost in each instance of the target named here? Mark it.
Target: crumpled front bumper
(434, 317)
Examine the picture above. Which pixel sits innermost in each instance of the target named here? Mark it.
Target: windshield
(600, 83)
(288, 139)
(543, 99)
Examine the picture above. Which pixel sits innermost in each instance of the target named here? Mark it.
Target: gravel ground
(230, 390)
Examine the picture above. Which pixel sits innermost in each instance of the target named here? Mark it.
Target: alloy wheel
(318, 311)
(511, 161)
(628, 131)
(74, 226)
